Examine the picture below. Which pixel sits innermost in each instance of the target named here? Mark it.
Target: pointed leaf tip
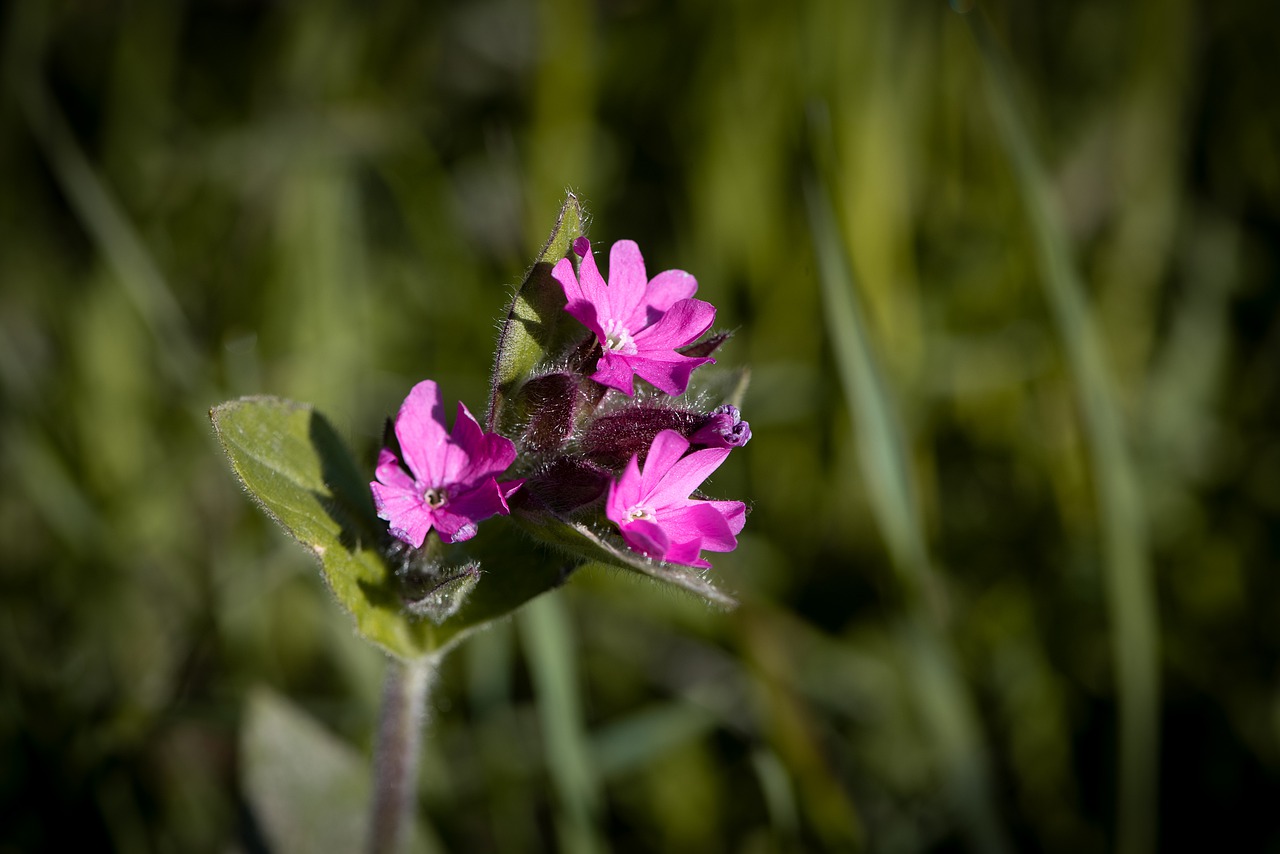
(536, 327)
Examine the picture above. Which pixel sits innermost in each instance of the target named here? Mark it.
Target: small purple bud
(581, 247)
(548, 402)
(568, 483)
(613, 439)
(723, 429)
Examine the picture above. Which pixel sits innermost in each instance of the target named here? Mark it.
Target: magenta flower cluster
(587, 439)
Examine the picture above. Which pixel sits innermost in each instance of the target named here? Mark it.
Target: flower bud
(724, 428)
(613, 439)
(567, 483)
(548, 404)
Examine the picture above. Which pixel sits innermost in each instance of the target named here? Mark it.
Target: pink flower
(450, 483)
(655, 513)
(639, 322)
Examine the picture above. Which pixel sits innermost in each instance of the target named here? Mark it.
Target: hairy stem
(395, 763)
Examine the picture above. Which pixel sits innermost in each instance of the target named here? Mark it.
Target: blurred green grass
(330, 202)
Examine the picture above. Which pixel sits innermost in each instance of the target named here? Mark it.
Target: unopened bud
(548, 404)
(613, 439)
(724, 428)
(567, 483)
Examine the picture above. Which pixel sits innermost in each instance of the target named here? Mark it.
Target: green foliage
(947, 708)
(309, 789)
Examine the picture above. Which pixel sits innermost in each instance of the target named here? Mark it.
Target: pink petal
(582, 295)
(480, 502)
(458, 519)
(686, 475)
(467, 433)
(592, 285)
(451, 458)
(668, 446)
(390, 472)
(586, 314)
(681, 325)
(624, 493)
(614, 371)
(734, 513)
(409, 518)
(454, 528)
(646, 538)
(563, 273)
(420, 429)
(498, 455)
(627, 282)
(700, 522)
(670, 374)
(687, 554)
(483, 454)
(509, 488)
(665, 290)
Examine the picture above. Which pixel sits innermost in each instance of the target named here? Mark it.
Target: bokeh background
(1015, 475)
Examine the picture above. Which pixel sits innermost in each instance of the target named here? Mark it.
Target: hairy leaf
(591, 544)
(536, 327)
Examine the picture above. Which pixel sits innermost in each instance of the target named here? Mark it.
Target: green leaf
(536, 326)
(308, 790)
(586, 542)
(294, 464)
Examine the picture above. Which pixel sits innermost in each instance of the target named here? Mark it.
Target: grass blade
(549, 644)
(102, 216)
(1122, 520)
(882, 449)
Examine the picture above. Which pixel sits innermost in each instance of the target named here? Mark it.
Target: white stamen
(618, 338)
(639, 512)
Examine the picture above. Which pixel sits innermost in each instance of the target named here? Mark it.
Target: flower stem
(395, 764)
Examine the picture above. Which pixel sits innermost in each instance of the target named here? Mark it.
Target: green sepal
(439, 595)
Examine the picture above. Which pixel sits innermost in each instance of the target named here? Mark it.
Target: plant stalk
(399, 744)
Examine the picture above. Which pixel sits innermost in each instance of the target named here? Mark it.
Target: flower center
(434, 497)
(639, 512)
(618, 338)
